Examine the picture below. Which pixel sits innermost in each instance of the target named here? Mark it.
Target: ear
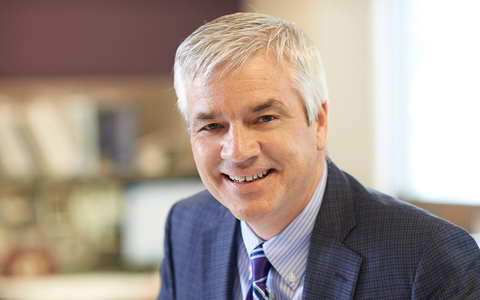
(322, 126)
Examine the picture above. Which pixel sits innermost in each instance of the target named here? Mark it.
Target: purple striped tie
(260, 268)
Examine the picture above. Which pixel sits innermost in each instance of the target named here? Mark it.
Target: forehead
(259, 78)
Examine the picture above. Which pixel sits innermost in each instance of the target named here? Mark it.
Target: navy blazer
(364, 245)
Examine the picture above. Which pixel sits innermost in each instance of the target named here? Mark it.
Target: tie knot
(257, 253)
(260, 268)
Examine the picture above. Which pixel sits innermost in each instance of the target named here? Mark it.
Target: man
(252, 90)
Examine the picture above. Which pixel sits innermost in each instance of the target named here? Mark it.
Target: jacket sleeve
(449, 267)
(167, 281)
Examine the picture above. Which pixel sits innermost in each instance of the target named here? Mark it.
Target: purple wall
(87, 37)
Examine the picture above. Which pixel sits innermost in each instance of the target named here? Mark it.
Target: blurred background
(93, 152)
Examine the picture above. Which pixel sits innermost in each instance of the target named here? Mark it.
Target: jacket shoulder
(374, 208)
(411, 246)
(201, 209)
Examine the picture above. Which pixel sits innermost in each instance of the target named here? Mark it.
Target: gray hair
(231, 40)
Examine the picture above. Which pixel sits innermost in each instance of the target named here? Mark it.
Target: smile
(250, 178)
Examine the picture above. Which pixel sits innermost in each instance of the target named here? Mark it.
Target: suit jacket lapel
(219, 258)
(332, 268)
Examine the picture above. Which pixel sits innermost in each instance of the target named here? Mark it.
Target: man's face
(252, 144)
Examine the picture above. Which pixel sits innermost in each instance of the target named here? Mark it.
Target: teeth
(248, 178)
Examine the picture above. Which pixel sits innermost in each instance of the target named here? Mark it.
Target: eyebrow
(202, 116)
(270, 103)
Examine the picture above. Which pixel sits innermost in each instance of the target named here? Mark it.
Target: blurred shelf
(82, 286)
(78, 156)
(118, 179)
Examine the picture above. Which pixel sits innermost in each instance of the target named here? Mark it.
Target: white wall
(342, 32)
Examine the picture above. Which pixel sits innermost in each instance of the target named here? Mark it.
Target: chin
(249, 213)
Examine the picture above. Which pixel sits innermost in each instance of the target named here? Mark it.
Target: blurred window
(445, 102)
(427, 76)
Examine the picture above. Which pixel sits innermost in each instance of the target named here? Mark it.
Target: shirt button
(292, 277)
(271, 296)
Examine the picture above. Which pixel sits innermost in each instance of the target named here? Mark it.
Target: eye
(212, 126)
(266, 119)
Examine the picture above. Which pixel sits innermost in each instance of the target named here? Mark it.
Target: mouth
(247, 179)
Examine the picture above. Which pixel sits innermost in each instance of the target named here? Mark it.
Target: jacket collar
(332, 268)
(219, 257)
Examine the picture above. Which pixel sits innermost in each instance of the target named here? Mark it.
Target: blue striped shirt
(287, 252)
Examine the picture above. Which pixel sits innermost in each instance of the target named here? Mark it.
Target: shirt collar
(287, 251)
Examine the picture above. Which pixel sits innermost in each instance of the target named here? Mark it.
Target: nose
(240, 144)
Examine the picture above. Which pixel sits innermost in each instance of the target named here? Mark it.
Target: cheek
(302, 154)
(301, 144)
(200, 155)
(204, 153)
